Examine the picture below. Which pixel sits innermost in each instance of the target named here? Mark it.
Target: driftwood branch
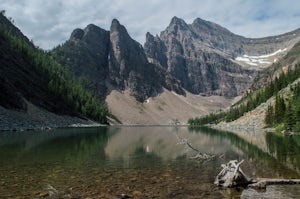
(232, 176)
(199, 155)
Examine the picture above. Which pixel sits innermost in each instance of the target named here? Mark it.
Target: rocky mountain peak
(94, 33)
(85, 54)
(149, 36)
(122, 45)
(115, 22)
(92, 28)
(129, 68)
(217, 36)
(77, 34)
(198, 22)
(194, 54)
(120, 39)
(89, 34)
(176, 25)
(155, 50)
(117, 27)
(177, 21)
(199, 57)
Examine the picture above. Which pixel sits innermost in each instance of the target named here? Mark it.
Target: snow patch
(266, 56)
(261, 59)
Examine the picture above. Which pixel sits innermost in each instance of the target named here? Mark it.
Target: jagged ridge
(201, 55)
(198, 57)
(113, 60)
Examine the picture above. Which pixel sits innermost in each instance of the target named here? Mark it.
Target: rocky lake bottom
(139, 162)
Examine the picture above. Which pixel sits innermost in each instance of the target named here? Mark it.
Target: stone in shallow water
(136, 194)
(125, 196)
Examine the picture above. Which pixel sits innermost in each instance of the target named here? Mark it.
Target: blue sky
(50, 22)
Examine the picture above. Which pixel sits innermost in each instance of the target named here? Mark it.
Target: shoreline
(23, 128)
(237, 128)
(36, 118)
(80, 125)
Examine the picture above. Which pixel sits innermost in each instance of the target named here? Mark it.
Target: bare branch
(199, 155)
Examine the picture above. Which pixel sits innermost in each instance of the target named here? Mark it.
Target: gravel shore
(36, 118)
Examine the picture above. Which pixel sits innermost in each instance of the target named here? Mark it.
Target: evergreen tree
(269, 118)
(296, 111)
(289, 119)
(279, 110)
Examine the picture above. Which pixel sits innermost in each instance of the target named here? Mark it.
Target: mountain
(85, 54)
(18, 78)
(208, 58)
(36, 92)
(202, 58)
(128, 65)
(272, 101)
(112, 60)
(269, 74)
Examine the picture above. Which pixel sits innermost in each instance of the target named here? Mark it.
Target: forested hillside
(29, 74)
(284, 112)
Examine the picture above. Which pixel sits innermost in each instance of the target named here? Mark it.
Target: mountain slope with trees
(278, 97)
(29, 75)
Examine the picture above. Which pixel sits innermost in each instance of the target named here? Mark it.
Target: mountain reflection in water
(108, 161)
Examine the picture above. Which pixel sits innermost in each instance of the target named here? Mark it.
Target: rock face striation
(113, 60)
(200, 57)
(128, 65)
(193, 59)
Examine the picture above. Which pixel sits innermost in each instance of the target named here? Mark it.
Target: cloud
(50, 23)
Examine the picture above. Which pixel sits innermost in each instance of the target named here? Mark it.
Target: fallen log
(262, 183)
(232, 176)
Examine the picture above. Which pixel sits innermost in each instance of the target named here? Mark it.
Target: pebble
(136, 194)
(43, 194)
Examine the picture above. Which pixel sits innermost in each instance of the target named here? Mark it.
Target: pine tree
(269, 118)
(289, 119)
(279, 110)
(296, 110)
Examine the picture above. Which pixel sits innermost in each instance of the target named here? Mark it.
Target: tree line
(285, 111)
(252, 100)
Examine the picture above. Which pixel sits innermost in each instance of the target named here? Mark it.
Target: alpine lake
(141, 162)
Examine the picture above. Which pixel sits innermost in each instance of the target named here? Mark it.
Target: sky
(50, 22)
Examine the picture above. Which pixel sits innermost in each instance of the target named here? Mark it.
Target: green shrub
(297, 127)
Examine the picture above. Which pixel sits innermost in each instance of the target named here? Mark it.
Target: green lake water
(141, 162)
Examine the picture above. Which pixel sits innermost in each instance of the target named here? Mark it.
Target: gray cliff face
(113, 60)
(156, 51)
(222, 39)
(192, 60)
(217, 37)
(201, 55)
(128, 65)
(198, 57)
